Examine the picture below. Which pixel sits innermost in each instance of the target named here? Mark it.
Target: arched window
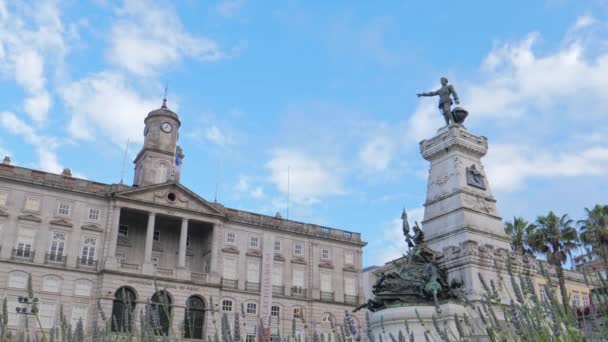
(123, 309)
(194, 321)
(161, 304)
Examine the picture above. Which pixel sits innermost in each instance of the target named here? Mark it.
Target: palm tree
(594, 230)
(555, 237)
(519, 230)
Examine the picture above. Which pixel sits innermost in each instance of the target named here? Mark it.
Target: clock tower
(160, 158)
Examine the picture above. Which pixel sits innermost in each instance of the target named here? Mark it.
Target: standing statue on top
(445, 93)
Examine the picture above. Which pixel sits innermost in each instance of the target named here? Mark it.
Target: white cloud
(244, 186)
(584, 21)
(424, 122)
(230, 8)
(215, 135)
(310, 177)
(509, 166)
(148, 37)
(377, 152)
(106, 104)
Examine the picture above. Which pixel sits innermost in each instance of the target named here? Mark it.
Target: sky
(323, 89)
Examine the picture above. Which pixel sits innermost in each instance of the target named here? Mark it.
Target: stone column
(149, 238)
(183, 238)
(112, 239)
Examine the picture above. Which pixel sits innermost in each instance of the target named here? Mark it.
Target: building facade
(109, 250)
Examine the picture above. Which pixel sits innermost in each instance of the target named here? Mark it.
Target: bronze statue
(445, 101)
(406, 229)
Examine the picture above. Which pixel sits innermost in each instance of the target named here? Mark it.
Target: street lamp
(27, 307)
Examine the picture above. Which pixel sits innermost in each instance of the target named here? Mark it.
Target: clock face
(166, 127)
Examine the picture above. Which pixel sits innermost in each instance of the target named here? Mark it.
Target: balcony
(165, 272)
(130, 267)
(200, 278)
(86, 263)
(23, 255)
(230, 283)
(278, 290)
(327, 296)
(249, 286)
(297, 291)
(348, 299)
(55, 259)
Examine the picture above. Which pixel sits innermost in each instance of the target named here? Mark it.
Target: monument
(460, 237)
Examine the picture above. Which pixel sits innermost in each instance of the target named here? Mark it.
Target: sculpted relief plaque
(475, 178)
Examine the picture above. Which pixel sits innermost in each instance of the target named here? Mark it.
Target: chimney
(66, 172)
(7, 160)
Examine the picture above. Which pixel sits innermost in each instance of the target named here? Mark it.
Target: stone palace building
(90, 246)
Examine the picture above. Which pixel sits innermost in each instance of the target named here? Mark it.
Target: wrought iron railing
(23, 254)
(55, 259)
(297, 291)
(86, 263)
(349, 299)
(249, 286)
(327, 296)
(278, 290)
(230, 283)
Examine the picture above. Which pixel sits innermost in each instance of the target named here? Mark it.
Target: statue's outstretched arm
(430, 93)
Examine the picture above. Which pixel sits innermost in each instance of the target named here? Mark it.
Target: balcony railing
(348, 299)
(297, 291)
(278, 290)
(230, 283)
(86, 263)
(55, 259)
(327, 296)
(249, 286)
(200, 278)
(23, 255)
(164, 271)
(127, 266)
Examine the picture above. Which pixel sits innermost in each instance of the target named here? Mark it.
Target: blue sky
(324, 88)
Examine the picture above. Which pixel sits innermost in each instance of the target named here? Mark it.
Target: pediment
(298, 260)
(349, 268)
(254, 253)
(62, 222)
(173, 195)
(92, 227)
(230, 249)
(3, 212)
(279, 257)
(30, 217)
(325, 264)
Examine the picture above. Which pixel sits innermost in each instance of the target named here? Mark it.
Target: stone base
(393, 320)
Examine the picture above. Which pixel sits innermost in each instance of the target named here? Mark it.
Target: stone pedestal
(393, 320)
(459, 205)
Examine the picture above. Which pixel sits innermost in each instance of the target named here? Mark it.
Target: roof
(163, 111)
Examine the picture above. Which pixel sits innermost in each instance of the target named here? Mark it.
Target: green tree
(555, 237)
(519, 230)
(594, 230)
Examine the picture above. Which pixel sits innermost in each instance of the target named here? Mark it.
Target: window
(93, 214)
(543, 293)
(194, 322)
(87, 255)
(275, 311)
(298, 277)
(348, 235)
(585, 300)
(155, 261)
(254, 242)
(227, 305)
(252, 308)
(123, 230)
(250, 337)
(230, 237)
(32, 204)
(576, 300)
(229, 268)
(277, 274)
(277, 246)
(51, 284)
(25, 240)
(250, 332)
(156, 236)
(325, 255)
(326, 317)
(253, 271)
(18, 280)
(350, 287)
(161, 308)
(3, 198)
(79, 312)
(63, 209)
(56, 247)
(123, 310)
(349, 257)
(325, 230)
(82, 288)
(298, 248)
(298, 312)
(46, 314)
(326, 281)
